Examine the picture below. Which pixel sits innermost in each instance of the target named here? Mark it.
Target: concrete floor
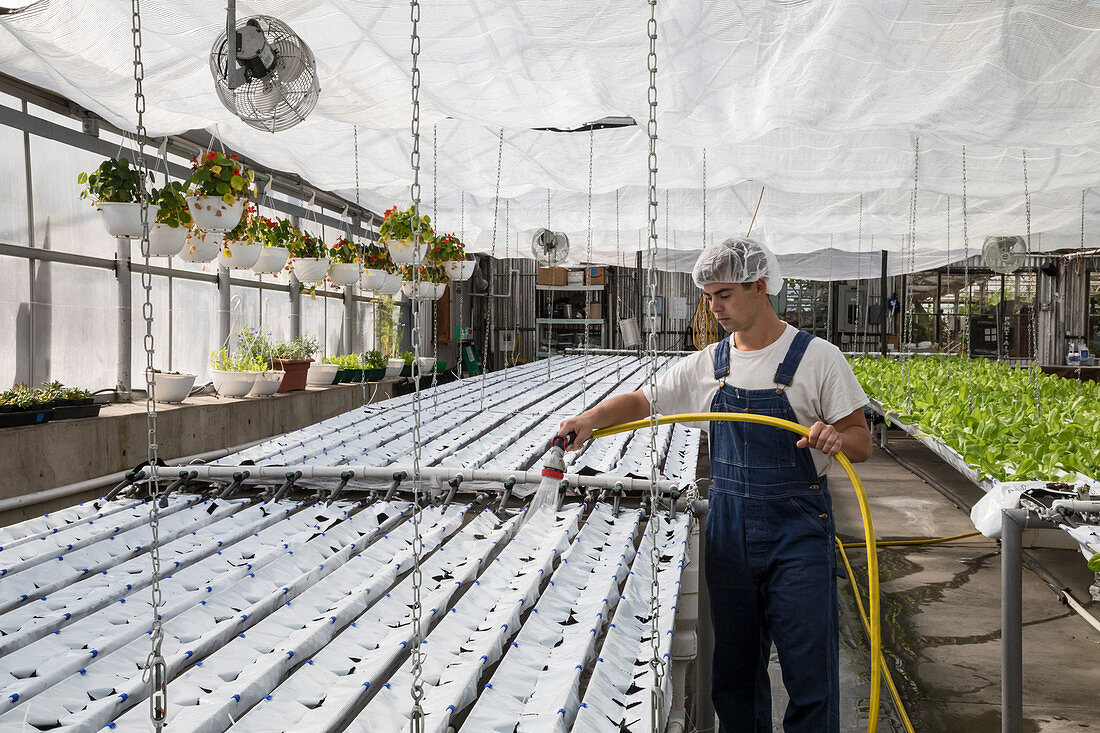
(941, 614)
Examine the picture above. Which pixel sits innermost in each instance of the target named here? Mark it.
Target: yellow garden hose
(864, 508)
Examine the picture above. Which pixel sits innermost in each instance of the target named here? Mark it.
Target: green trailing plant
(446, 248)
(306, 244)
(171, 205)
(985, 411)
(343, 252)
(428, 274)
(377, 257)
(399, 225)
(114, 181)
(247, 229)
(274, 232)
(217, 174)
(374, 360)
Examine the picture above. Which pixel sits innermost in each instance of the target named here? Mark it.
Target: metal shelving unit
(568, 332)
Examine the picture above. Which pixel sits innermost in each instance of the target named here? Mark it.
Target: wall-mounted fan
(270, 81)
(1004, 254)
(549, 247)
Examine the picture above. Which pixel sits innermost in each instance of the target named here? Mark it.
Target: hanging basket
(343, 273)
(165, 241)
(309, 270)
(402, 251)
(242, 255)
(439, 289)
(371, 280)
(391, 285)
(425, 290)
(121, 220)
(270, 260)
(459, 269)
(201, 247)
(213, 214)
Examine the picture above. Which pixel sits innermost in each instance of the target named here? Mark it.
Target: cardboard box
(576, 277)
(552, 276)
(595, 310)
(595, 276)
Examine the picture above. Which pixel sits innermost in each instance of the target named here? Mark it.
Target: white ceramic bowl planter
(212, 214)
(310, 270)
(242, 255)
(202, 246)
(165, 241)
(402, 251)
(321, 374)
(371, 280)
(394, 367)
(270, 260)
(123, 220)
(343, 273)
(459, 269)
(391, 285)
(233, 384)
(172, 387)
(267, 383)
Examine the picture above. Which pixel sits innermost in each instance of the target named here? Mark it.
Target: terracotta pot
(295, 369)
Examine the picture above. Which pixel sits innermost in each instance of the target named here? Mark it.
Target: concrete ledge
(39, 457)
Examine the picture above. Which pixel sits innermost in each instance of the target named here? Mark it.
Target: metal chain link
(435, 307)
(1077, 371)
(588, 263)
(859, 278)
(550, 297)
(155, 673)
(515, 300)
(939, 293)
(966, 289)
(1033, 333)
(492, 263)
(654, 522)
(460, 334)
(416, 721)
(907, 327)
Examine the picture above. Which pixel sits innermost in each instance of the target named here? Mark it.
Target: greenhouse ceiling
(822, 103)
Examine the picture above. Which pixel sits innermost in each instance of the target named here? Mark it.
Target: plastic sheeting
(818, 102)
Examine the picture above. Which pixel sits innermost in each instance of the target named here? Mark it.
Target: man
(770, 563)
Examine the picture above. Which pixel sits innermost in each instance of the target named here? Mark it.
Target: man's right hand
(581, 425)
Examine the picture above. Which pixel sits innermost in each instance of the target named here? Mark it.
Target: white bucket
(632, 338)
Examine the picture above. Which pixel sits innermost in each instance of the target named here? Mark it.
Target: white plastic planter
(165, 241)
(320, 374)
(371, 280)
(122, 220)
(267, 383)
(391, 285)
(425, 290)
(172, 387)
(459, 269)
(309, 270)
(394, 367)
(439, 289)
(242, 255)
(212, 214)
(402, 251)
(343, 273)
(202, 247)
(233, 384)
(270, 260)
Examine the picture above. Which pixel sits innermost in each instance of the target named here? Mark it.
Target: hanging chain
(155, 673)
(416, 721)
(859, 278)
(1077, 263)
(460, 334)
(492, 265)
(1033, 333)
(587, 264)
(653, 525)
(515, 300)
(966, 289)
(939, 293)
(907, 329)
(829, 294)
(550, 298)
(435, 303)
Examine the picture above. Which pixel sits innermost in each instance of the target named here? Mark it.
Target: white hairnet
(738, 260)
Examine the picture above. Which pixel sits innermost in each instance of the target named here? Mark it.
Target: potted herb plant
(240, 250)
(350, 368)
(219, 189)
(173, 219)
(234, 375)
(258, 345)
(308, 257)
(22, 405)
(449, 252)
(115, 188)
(376, 266)
(343, 260)
(294, 358)
(375, 366)
(275, 236)
(66, 403)
(396, 230)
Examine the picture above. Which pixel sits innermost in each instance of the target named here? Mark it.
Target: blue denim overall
(770, 563)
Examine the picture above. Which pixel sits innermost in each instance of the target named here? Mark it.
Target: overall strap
(784, 375)
(722, 360)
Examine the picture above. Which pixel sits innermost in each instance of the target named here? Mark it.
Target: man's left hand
(823, 437)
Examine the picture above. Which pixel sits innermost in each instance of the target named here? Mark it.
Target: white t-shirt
(824, 386)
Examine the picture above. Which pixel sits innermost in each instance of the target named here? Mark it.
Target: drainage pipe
(96, 483)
